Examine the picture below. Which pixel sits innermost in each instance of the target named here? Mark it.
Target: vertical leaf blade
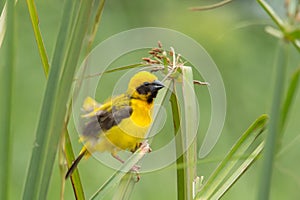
(54, 110)
(60, 111)
(38, 36)
(179, 162)
(6, 107)
(272, 137)
(186, 144)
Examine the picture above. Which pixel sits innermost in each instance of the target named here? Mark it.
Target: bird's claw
(135, 169)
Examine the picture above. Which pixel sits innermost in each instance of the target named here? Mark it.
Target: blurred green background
(233, 35)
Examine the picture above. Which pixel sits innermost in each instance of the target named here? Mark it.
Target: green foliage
(6, 92)
(54, 109)
(278, 117)
(38, 36)
(230, 169)
(80, 20)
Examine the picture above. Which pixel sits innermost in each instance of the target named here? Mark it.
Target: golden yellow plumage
(121, 122)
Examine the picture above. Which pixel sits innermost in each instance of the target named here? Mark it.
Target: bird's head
(144, 86)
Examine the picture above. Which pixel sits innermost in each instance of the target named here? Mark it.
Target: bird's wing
(105, 116)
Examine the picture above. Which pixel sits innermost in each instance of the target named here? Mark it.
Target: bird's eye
(146, 83)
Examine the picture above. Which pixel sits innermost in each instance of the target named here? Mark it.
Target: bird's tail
(75, 163)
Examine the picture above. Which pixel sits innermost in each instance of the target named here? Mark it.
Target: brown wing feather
(105, 120)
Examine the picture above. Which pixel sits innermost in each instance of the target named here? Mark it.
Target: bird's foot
(145, 147)
(135, 169)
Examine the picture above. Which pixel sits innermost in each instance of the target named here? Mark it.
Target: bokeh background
(234, 37)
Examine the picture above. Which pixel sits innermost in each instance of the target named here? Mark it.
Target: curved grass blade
(239, 172)
(38, 36)
(6, 106)
(209, 7)
(117, 176)
(229, 162)
(116, 69)
(125, 187)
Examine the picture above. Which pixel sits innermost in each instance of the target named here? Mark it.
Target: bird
(121, 122)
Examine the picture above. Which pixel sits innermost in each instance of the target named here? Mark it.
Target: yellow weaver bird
(122, 122)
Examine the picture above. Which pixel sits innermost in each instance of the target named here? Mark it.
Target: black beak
(157, 85)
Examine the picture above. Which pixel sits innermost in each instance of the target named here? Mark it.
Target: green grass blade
(67, 147)
(272, 137)
(190, 131)
(268, 9)
(179, 162)
(284, 28)
(51, 121)
(117, 176)
(68, 150)
(125, 187)
(75, 179)
(286, 108)
(2, 24)
(6, 106)
(228, 163)
(116, 69)
(36, 163)
(186, 175)
(291, 92)
(96, 14)
(238, 172)
(96, 18)
(72, 57)
(37, 33)
(213, 6)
